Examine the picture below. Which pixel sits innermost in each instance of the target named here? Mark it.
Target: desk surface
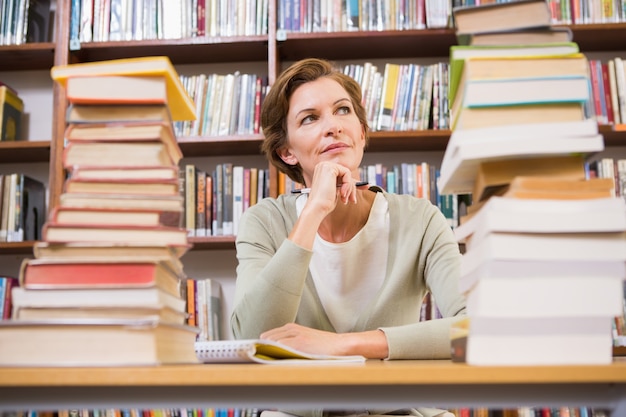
(375, 372)
(372, 384)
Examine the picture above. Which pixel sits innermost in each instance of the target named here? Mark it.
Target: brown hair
(276, 106)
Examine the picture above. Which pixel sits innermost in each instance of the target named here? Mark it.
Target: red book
(55, 274)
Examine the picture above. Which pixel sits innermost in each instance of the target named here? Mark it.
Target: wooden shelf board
(180, 51)
(212, 242)
(30, 56)
(25, 151)
(367, 45)
(17, 248)
(220, 146)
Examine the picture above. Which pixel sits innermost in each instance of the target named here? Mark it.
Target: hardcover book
(11, 110)
(48, 274)
(467, 149)
(117, 134)
(493, 177)
(510, 15)
(91, 342)
(119, 113)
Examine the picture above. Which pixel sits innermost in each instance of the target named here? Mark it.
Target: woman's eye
(308, 119)
(344, 110)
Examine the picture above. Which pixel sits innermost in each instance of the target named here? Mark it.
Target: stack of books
(107, 284)
(545, 246)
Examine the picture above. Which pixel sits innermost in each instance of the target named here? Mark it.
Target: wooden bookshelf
(375, 384)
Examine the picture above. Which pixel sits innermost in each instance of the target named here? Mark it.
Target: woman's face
(322, 126)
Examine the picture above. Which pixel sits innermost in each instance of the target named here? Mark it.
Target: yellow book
(180, 104)
(390, 85)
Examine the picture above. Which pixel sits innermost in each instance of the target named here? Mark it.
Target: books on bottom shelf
(204, 302)
(264, 352)
(467, 149)
(95, 342)
(531, 341)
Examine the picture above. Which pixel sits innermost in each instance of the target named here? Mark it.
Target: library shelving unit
(390, 45)
(377, 383)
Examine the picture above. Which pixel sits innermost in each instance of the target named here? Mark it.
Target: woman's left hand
(371, 344)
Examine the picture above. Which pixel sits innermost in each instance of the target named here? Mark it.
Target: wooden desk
(373, 385)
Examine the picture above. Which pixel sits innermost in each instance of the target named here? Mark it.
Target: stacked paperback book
(106, 286)
(545, 245)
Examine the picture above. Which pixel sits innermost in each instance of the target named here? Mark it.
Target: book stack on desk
(545, 246)
(106, 285)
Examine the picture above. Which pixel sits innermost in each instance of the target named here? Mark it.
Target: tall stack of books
(106, 285)
(545, 246)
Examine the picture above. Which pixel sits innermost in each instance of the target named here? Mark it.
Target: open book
(261, 351)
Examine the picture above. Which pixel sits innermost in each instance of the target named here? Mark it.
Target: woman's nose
(333, 126)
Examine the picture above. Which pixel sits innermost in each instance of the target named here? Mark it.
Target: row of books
(134, 412)
(526, 411)
(11, 112)
(117, 20)
(351, 15)
(402, 97)
(607, 167)
(24, 21)
(205, 308)
(561, 12)
(215, 200)
(254, 412)
(22, 208)
(608, 82)
(226, 104)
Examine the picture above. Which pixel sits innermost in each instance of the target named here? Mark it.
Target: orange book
(191, 302)
(61, 274)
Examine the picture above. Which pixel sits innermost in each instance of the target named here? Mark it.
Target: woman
(342, 269)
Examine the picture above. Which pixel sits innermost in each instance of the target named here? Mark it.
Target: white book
(539, 341)
(565, 247)
(238, 187)
(517, 91)
(262, 351)
(519, 215)
(522, 288)
(468, 148)
(134, 297)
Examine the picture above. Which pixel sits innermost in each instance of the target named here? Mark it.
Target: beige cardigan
(274, 286)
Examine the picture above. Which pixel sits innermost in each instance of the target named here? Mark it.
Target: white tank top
(348, 275)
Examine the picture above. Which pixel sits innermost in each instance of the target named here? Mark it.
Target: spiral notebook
(262, 351)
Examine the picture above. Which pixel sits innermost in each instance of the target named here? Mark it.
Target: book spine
(201, 191)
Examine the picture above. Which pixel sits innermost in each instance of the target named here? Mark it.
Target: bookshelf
(268, 50)
(375, 384)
